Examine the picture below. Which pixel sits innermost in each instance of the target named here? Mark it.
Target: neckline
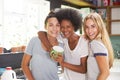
(75, 46)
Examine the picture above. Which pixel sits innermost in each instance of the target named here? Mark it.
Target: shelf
(114, 34)
(115, 20)
(101, 7)
(115, 28)
(115, 6)
(79, 3)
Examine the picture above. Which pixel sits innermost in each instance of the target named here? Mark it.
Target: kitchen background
(20, 20)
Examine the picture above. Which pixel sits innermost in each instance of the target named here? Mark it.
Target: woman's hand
(60, 59)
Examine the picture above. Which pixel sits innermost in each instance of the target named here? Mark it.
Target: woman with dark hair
(36, 63)
(75, 46)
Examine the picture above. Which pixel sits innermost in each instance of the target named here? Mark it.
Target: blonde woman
(100, 58)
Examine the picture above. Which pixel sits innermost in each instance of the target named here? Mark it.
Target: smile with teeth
(91, 35)
(66, 32)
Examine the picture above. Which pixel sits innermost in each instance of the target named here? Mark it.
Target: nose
(65, 29)
(54, 27)
(89, 30)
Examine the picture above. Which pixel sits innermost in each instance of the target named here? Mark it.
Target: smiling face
(52, 27)
(91, 29)
(67, 28)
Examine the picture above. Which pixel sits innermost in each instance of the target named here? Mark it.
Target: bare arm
(82, 68)
(25, 66)
(42, 35)
(103, 67)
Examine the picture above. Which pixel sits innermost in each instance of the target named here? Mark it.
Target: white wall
(22, 19)
(1, 22)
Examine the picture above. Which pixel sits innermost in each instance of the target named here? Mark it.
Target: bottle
(8, 74)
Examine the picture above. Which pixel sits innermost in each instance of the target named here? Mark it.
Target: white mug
(57, 50)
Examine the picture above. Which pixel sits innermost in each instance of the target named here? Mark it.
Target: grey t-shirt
(42, 66)
(96, 48)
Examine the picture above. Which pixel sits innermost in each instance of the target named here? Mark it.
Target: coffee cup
(56, 50)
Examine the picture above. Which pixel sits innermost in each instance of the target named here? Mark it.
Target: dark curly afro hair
(70, 14)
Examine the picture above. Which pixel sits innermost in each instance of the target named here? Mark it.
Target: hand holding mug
(56, 51)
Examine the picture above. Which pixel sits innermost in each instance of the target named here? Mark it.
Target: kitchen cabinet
(111, 17)
(115, 20)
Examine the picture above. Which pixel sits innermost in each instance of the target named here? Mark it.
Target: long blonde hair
(102, 34)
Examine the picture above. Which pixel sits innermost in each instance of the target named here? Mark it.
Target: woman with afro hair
(74, 61)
